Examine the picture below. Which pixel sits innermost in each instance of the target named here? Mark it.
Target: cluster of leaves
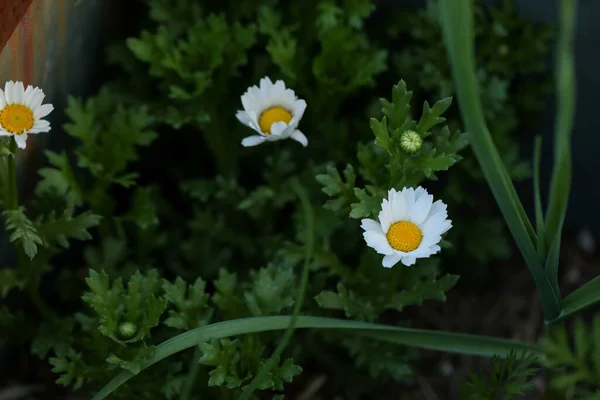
(158, 177)
(573, 357)
(122, 322)
(509, 378)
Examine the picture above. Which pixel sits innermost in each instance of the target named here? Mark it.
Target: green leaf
(23, 231)
(510, 376)
(271, 290)
(58, 230)
(382, 136)
(190, 303)
(9, 280)
(431, 162)
(143, 209)
(382, 359)
(369, 203)
(443, 341)
(432, 290)
(135, 361)
(398, 111)
(581, 298)
(348, 301)
(340, 191)
(560, 185)
(115, 305)
(71, 368)
(432, 116)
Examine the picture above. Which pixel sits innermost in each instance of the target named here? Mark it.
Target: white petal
(26, 100)
(385, 215)
(409, 198)
(398, 205)
(8, 92)
(378, 242)
(253, 140)
(2, 99)
(299, 109)
(445, 227)
(278, 129)
(370, 225)
(421, 210)
(390, 260)
(37, 98)
(266, 86)
(299, 137)
(433, 224)
(408, 260)
(437, 207)
(42, 111)
(420, 191)
(243, 117)
(18, 91)
(5, 132)
(21, 140)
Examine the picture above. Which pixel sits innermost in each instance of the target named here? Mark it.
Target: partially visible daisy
(273, 111)
(21, 112)
(410, 226)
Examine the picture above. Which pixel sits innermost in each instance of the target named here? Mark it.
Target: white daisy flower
(273, 111)
(410, 226)
(21, 112)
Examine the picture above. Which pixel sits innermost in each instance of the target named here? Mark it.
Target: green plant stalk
(188, 386)
(427, 339)
(13, 204)
(457, 25)
(560, 185)
(539, 208)
(13, 195)
(308, 254)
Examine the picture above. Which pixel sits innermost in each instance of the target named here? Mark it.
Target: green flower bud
(411, 141)
(127, 330)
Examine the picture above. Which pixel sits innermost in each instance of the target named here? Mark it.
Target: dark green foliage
(573, 357)
(508, 379)
(157, 220)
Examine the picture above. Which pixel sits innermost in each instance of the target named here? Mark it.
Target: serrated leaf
(59, 230)
(422, 291)
(368, 204)
(347, 300)
(398, 111)
(9, 280)
(432, 115)
(380, 130)
(23, 231)
(191, 304)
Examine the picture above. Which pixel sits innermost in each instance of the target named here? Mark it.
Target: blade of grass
(581, 298)
(457, 25)
(560, 185)
(308, 248)
(426, 339)
(539, 209)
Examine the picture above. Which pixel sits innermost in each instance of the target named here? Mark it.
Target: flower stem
(13, 195)
(309, 247)
(13, 204)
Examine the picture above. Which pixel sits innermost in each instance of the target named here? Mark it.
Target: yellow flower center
(272, 115)
(404, 236)
(16, 118)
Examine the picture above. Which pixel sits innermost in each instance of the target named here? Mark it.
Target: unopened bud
(411, 141)
(127, 330)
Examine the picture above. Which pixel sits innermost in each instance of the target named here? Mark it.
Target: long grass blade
(581, 298)
(457, 25)
(426, 339)
(560, 185)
